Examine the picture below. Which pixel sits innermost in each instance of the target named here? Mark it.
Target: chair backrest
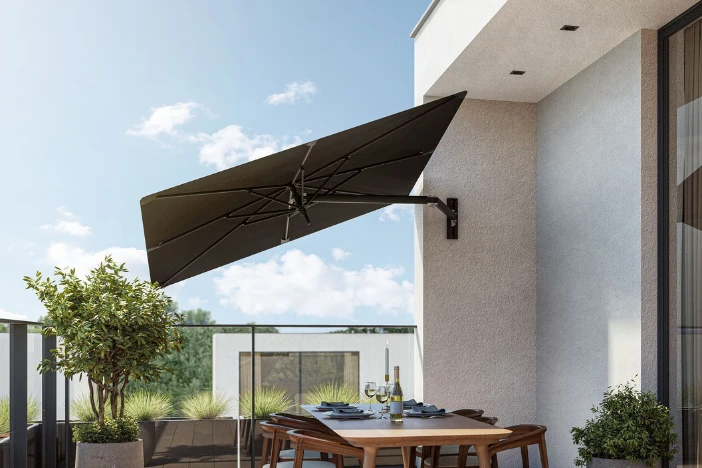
(294, 421)
(317, 441)
(469, 413)
(486, 419)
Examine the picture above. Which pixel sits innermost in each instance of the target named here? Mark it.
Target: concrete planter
(606, 463)
(147, 433)
(124, 455)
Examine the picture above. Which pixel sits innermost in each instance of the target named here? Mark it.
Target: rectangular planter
(33, 448)
(186, 440)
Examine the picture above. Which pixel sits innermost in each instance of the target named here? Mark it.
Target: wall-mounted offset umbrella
(210, 222)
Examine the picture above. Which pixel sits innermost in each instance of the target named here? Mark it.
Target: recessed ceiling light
(517, 72)
(569, 27)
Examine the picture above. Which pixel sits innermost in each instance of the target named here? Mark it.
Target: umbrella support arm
(450, 209)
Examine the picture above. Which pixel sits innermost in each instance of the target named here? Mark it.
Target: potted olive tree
(630, 430)
(112, 332)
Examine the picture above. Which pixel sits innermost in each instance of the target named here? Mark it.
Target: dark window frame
(676, 25)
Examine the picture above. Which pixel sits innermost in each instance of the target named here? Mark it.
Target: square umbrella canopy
(218, 219)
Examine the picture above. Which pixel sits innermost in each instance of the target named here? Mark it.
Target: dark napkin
(349, 410)
(430, 409)
(412, 403)
(332, 404)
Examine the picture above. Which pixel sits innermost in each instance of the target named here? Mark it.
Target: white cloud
(164, 119)
(293, 92)
(68, 224)
(395, 212)
(231, 146)
(65, 255)
(196, 302)
(340, 254)
(12, 316)
(306, 286)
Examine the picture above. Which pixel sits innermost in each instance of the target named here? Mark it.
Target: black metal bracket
(450, 209)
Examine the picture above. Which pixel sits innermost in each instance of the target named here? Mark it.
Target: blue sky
(105, 102)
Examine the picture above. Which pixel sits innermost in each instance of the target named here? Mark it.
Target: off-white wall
(449, 29)
(370, 347)
(596, 150)
(479, 291)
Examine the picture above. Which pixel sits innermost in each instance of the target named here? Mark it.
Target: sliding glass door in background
(684, 68)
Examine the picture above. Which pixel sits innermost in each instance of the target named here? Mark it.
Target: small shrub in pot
(628, 425)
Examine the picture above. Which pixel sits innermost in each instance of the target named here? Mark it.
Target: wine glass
(382, 395)
(370, 390)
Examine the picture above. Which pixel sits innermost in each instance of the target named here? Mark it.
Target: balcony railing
(239, 364)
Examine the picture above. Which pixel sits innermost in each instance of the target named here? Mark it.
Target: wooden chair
(425, 453)
(295, 421)
(275, 437)
(306, 440)
(522, 437)
(453, 450)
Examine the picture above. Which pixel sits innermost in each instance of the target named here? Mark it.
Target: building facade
(575, 160)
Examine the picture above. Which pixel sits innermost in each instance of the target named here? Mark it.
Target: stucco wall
(479, 291)
(595, 136)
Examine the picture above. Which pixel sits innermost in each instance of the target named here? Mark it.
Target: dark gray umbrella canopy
(210, 222)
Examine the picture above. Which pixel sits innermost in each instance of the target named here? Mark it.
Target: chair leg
(275, 452)
(299, 456)
(543, 453)
(525, 456)
(435, 452)
(494, 462)
(265, 450)
(425, 455)
(338, 461)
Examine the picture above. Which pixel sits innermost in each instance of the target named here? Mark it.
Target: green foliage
(628, 425)
(33, 412)
(331, 391)
(147, 406)
(205, 405)
(192, 365)
(267, 400)
(198, 317)
(113, 431)
(113, 330)
(82, 410)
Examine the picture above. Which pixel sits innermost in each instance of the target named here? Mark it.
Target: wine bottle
(396, 399)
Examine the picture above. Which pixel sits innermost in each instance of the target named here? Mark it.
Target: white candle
(387, 362)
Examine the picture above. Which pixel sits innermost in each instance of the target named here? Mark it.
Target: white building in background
(292, 361)
(556, 287)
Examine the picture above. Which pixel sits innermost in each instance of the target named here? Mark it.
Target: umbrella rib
(207, 223)
(378, 164)
(215, 244)
(217, 192)
(379, 137)
(326, 181)
(273, 198)
(264, 213)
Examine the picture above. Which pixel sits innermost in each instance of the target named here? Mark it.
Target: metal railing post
(67, 421)
(253, 397)
(18, 395)
(48, 407)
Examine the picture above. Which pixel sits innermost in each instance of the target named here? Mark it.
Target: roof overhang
(474, 45)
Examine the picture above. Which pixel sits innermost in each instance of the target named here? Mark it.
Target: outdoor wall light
(569, 27)
(517, 72)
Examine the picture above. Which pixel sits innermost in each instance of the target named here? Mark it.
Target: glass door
(684, 68)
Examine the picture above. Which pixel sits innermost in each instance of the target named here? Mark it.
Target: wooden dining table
(374, 433)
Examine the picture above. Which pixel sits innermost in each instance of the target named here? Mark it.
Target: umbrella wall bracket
(450, 208)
